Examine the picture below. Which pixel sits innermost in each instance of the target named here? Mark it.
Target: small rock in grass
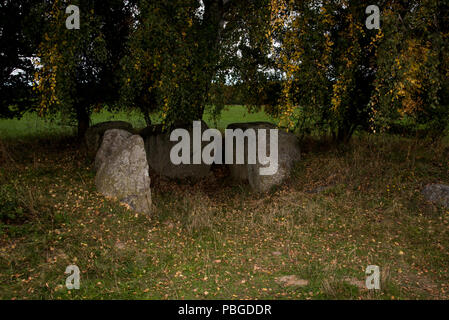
(437, 193)
(292, 281)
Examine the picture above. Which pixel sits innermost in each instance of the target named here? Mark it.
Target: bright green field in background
(33, 125)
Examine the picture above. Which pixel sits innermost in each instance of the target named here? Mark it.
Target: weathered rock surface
(437, 193)
(94, 134)
(124, 175)
(288, 154)
(239, 172)
(292, 281)
(158, 147)
(113, 140)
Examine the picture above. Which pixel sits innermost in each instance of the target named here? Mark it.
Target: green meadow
(31, 125)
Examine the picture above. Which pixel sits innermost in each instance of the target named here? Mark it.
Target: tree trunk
(83, 119)
(212, 27)
(344, 133)
(147, 119)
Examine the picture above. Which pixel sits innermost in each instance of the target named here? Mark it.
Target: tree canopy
(340, 76)
(182, 52)
(79, 67)
(314, 64)
(413, 65)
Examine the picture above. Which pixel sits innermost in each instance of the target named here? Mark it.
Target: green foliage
(170, 58)
(142, 67)
(79, 67)
(182, 53)
(316, 66)
(328, 59)
(340, 76)
(413, 66)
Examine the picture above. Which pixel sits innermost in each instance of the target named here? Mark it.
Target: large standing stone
(124, 175)
(158, 147)
(113, 140)
(437, 193)
(288, 154)
(239, 172)
(94, 134)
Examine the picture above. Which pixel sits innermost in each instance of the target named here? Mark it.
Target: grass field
(31, 125)
(342, 210)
